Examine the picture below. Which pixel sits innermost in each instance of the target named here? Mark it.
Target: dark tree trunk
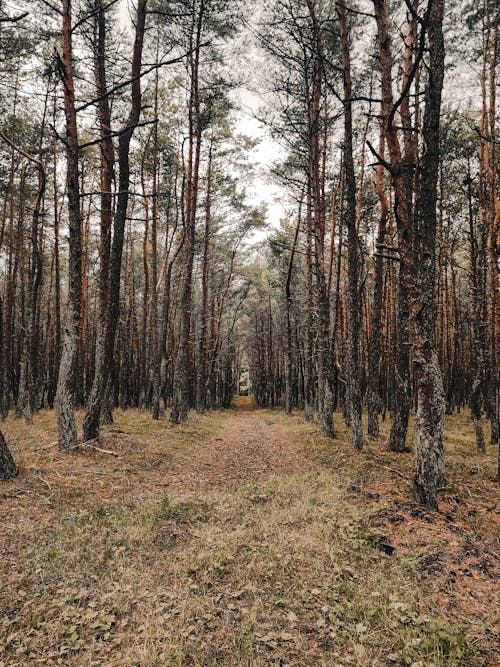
(429, 424)
(401, 168)
(354, 311)
(69, 357)
(101, 371)
(324, 351)
(153, 323)
(201, 377)
(477, 347)
(373, 398)
(183, 399)
(401, 399)
(288, 304)
(8, 468)
(107, 332)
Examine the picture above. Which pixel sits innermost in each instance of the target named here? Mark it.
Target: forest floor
(243, 538)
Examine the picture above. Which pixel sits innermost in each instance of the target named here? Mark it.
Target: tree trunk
(429, 476)
(354, 312)
(8, 468)
(201, 393)
(477, 351)
(401, 168)
(373, 398)
(69, 357)
(108, 327)
(182, 399)
(288, 303)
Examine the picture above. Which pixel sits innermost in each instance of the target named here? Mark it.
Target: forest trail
(242, 538)
(210, 452)
(250, 446)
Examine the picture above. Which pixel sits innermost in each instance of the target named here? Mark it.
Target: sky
(260, 189)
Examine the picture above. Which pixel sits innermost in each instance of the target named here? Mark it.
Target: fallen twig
(45, 482)
(45, 447)
(101, 450)
(399, 474)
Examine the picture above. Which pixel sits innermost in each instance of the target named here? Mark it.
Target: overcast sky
(260, 189)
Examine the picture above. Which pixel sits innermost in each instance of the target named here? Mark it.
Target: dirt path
(249, 447)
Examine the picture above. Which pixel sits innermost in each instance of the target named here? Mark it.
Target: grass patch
(104, 563)
(283, 572)
(52, 482)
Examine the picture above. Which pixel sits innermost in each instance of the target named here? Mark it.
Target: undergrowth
(283, 572)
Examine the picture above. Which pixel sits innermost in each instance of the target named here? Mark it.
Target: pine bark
(71, 337)
(101, 369)
(373, 397)
(429, 454)
(108, 328)
(8, 468)
(354, 311)
(183, 395)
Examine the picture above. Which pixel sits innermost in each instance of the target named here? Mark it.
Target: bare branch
(380, 159)
(123, 84)
(114, 134)
(92, 14)
(53, 7)
(13, 19)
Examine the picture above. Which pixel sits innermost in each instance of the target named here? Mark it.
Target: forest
(249, 332)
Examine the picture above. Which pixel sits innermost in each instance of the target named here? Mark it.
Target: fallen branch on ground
(99, 449)
(86, 443)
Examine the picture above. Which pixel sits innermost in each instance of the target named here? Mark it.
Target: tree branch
(123, 84)
(93, 13)
(380, 159)
(418, 59)
(13, 19)
(114, 134)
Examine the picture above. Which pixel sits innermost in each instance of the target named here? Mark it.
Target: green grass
(285, 572)
(101, 568)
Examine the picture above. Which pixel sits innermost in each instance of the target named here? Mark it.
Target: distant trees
(121, 196)
(296, 39)
(125, 196)
(408, 298)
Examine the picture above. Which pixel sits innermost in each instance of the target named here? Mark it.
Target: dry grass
(283, 572)
(51, 482)
(456, 550)
(110, 569)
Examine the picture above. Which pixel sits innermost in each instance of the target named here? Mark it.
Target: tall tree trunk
(401, 168)
(182, 400)
(103, 373)
(429, 476)
(373, 398)
(324, 351)
(354, 314)
(69, 357)
(201, 394)
(154, 337)
(288, 303)
(477, 351)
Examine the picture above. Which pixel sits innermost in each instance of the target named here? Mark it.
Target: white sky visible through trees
(260, 190)
(460, 85)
